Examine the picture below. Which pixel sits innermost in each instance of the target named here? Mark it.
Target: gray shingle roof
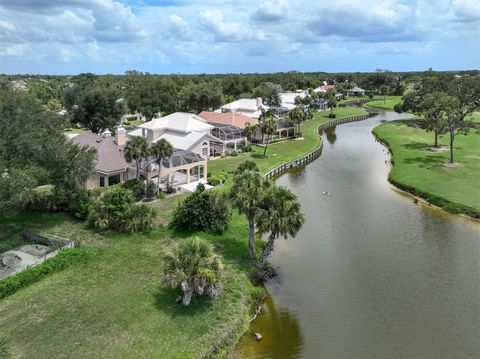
(110, 157)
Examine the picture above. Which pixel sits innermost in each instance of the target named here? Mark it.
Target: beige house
(110, 164)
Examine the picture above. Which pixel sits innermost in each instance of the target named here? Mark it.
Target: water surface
(371, 274)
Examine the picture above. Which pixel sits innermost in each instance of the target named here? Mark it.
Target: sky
(215, 36)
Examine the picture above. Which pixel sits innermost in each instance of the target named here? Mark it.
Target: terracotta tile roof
(110, 157)
(228, 118)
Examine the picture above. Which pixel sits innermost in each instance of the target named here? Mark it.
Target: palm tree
(280, 215)
(246, 194)
(194, 266)
(160, 150)
(296, 117)
(269, 126)
(331, 100)
(247, 165)
(136, 150)
(249, 130)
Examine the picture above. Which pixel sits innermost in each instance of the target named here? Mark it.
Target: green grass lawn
(116, 306)
(417, 168)
(388, 104)
(284, 151)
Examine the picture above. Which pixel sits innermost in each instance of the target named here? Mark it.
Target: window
(205, 149)
(102, 181)
(113, 180)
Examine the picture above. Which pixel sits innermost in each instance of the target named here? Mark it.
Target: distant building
(248, 107)
(356, 91)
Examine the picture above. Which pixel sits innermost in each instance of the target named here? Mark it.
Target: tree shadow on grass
(428, 162)
(165, 300)
(417, 146)
(257, 155)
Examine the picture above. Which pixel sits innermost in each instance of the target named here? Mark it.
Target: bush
(151, 190)
(233, 153)
(214, 181)
(62, 260)
(161, 195)
(116, 209)
(141, 219)
(4, 349)
(202, 211)
(332, 115)
(81, 204)
(136, 186)
(245, 148)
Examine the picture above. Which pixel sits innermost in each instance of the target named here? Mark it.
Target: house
(188, 132)
(110, 164)
(248, 107)
(111, 167)
(287, 100)
(324, 87)
(229, 127)
(356, 91)
(184, 131)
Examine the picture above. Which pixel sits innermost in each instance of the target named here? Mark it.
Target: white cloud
(178, 28)
(465, 10)
(7, 27)
(271, 11)
(214, 22)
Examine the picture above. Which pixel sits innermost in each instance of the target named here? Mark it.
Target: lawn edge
(435, 200)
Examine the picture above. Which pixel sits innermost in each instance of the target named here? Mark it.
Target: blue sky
(214, 36)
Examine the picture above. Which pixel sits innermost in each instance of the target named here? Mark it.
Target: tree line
(445, 105)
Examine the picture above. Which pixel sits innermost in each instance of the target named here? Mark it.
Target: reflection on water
(330, 134)
(276, 325)
(371, 274)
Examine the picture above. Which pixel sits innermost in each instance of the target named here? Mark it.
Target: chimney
(121, 136)
(259, 102)
(106, 133)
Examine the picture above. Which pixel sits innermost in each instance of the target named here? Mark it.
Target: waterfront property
(356, 92)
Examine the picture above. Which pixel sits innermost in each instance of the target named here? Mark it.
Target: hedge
(62, 260)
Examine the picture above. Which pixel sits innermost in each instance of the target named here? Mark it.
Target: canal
(371, 274)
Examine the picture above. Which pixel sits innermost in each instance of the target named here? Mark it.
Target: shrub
(116, 209)
(4, 349)
(136, 186)
(62, 260)
(141, 219)
(332, 115)
(151, 190)
(161, 195)
(214, 181)
(81, 204)
(202, 211)
(233, 153)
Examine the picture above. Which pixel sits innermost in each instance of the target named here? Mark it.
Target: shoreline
(413, 192)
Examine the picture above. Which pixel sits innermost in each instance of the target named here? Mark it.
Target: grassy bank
(116, 306)
(388, 104)
(419, 169)
(284, 151)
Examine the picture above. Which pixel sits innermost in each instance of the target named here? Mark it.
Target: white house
(287, 99)
(356, 91)
(248, 107)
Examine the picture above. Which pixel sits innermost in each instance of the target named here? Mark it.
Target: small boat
(325, 193)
